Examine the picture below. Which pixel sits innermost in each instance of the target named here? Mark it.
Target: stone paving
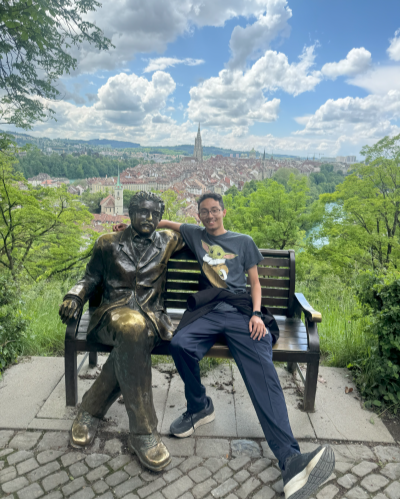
(37, 464)
(33, 391)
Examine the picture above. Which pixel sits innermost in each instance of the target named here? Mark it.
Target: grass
(45, 333)
(342, 331)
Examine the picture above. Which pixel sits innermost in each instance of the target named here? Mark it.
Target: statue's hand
(68, 309)
(119, 227)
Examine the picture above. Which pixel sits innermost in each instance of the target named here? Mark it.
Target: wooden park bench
(298, 341)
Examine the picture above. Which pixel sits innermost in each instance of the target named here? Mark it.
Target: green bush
(378, 376)
(12, 323)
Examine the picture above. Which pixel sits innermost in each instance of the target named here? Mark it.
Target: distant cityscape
(188, 176)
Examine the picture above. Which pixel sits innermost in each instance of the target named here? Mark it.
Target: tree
(232, 191)
(273, 217)
(92, 200)
(35, 37)
(41, 230)
(283, 174)
(361, 225)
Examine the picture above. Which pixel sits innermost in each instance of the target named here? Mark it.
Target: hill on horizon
(185, 149)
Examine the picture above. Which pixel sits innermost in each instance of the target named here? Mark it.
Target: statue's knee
(131, 325)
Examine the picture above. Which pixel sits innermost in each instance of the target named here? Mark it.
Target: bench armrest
(311, 314)
(72, 328)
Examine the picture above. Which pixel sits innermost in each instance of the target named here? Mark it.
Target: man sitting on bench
(224, 307)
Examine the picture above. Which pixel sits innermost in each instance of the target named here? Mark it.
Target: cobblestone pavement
(37, 464)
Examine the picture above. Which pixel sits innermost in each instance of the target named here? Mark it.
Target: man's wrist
(258, 313)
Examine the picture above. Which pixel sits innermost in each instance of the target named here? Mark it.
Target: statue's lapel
(126, 245)
(152, 251)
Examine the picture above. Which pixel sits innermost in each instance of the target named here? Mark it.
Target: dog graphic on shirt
(214, 264)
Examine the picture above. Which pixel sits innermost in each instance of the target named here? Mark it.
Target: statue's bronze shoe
(150, 450)
(83, 429)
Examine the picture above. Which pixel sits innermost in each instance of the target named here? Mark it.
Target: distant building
(119, 198)
(346, 159)
(108, 205)
(38, 179)
(198, 148)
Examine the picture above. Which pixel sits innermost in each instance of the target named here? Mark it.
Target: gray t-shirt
(223, 259)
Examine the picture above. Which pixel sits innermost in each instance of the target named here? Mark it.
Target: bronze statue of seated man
(130, 266)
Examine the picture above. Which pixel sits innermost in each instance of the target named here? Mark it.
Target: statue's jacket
(114, 267)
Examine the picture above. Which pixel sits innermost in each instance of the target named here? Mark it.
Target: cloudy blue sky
(293, 76)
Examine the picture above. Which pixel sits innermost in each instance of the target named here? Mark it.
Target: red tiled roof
(108, 198)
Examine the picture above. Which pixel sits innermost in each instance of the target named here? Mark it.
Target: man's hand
(119, 227)
(68, 309)
(257, 328)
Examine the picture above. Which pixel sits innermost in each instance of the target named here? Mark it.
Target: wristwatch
(258, 314)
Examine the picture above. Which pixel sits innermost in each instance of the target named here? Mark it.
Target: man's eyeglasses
(213, 211)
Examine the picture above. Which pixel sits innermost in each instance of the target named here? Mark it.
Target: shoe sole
(151, 468)
(318, 470)
(206, 420)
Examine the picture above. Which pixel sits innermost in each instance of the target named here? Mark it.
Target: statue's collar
(129, 235)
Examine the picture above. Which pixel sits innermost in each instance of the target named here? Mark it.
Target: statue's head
(145, 211)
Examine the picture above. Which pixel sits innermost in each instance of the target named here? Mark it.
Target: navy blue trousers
(254, 360)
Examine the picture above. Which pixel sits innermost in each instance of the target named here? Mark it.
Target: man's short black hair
(211, 195)
(137, 198)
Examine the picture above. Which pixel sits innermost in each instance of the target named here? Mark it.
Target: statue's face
(146, 217)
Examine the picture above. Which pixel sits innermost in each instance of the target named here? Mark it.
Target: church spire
(198, 148)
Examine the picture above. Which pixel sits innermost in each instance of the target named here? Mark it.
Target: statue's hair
(137, 198)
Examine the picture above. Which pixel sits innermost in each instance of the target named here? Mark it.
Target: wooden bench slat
(274, 283)
(263, 271)
(175, 304)
(275, 292)
(192, 286)
(172, 295)
(276, 310)
(275, 302)
(272, 291)
(283, 347)
(183, 254)
(183, 276)
(274, 262)
(183, 265)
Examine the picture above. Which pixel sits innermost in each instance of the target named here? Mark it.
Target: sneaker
(305, 473)
(186, 424)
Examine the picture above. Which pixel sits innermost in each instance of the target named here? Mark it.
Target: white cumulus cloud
(161, 63)
(255, 38)
(237, 98)
(129, 99)
(357, 61)
(137, 26)
(373, 116)
(379, 80)
(394, 47)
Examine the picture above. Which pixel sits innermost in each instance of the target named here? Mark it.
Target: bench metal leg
(71, 375)
(92, 359)
(310, 388)
(291, 367)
